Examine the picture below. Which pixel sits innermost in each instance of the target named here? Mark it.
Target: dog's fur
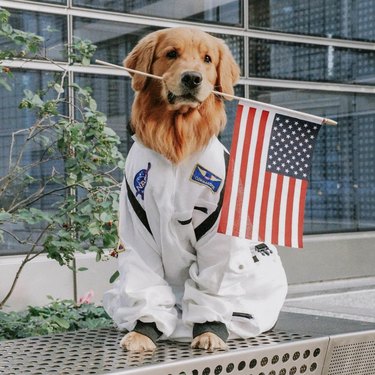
(174, 118)
(178, 128)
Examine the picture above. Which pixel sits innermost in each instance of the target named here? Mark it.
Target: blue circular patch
(140, 181)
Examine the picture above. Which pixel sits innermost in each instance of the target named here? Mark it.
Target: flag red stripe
(276, 209)
(301, 212)
(256, 168)
(264, 204)
(289, 212)
(229, 177)
(243, 171)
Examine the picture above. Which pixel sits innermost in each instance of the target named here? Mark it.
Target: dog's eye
(172, 54)
(207, 59)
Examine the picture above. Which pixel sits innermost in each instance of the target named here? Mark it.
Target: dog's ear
(140, 58)
(228, 71)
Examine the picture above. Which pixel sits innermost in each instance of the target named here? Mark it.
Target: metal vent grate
(356, 358)
(98, 352)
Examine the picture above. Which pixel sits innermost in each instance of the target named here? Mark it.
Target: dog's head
(192, 64)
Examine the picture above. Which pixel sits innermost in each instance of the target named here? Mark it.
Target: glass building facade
(316, 56)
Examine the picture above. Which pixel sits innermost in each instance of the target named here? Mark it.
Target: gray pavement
(349, 299)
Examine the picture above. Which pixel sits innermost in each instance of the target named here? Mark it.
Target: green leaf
(114, 277)
(61, 322)
(7, 28)
(94, 229)
(5, 216)
(85, 61)
(5, 84)
(110, 132)
(105, 217)
(58, 88)
(92, 105)
(98, 256)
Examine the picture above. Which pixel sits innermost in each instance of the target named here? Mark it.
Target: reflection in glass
(115, 40)
(342, 183)
(282, 60)
(114, 97)
(227, 12)
(62, 2)
(231, 110)
(39, 164)
(53, 28)
(334, 18)
(236, 46)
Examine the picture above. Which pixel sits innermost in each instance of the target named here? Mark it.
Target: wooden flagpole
(324, 121)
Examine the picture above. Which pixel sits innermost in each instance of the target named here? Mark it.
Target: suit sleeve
(141, 293)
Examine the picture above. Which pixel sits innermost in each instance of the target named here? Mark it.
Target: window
(52, 27)
(34, 161)
(313, 56)
(332, 19)
(227, 12)
(307, 62)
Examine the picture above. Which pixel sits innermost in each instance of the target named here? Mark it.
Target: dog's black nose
(191, 80)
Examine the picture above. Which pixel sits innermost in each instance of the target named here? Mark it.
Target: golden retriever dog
(192, 64)
(179, 278)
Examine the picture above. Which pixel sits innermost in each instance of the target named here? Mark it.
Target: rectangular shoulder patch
(204, 177)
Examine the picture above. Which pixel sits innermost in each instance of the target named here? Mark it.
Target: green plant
(81, 51)
(58, 316)
(79, 156)
(23, 43)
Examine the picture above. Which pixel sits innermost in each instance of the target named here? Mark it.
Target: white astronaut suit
(176, 269)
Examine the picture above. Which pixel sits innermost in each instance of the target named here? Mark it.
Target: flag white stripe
(249, 174)
(270, 204)
(282, 215)
(295, 219)
(262, 172)
(236, 172)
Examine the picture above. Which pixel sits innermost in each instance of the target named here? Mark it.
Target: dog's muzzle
(189, 85)
(191, 80)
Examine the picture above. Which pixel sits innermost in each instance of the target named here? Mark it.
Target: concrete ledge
(331, 257)
(344, 260)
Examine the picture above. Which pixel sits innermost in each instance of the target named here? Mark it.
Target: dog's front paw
(208, 341)
(136, 342)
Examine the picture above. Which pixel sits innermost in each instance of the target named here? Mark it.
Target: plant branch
(21, 267)
(22, 242)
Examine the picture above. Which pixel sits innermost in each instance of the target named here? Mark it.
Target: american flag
(267, 177)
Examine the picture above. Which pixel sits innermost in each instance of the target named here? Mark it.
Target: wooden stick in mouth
(324, 121)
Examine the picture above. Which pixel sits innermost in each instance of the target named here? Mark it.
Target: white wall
(42, 277)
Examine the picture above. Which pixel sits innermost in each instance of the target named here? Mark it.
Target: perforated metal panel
(281, 352)
(98, 352)
(352, 354)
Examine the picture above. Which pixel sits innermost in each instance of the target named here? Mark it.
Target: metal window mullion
(34, 7)
(355, 166)
(308, 85)
(71, 113)
(245, 9)
(160, 22)
(308, 39)
(247, 64)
